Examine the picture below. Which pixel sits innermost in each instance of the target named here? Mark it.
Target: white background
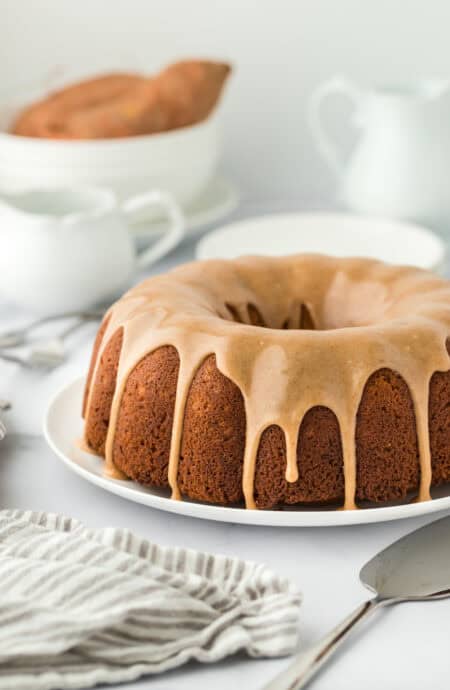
(280, 48)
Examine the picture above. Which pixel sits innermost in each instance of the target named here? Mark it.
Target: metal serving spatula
(414, 568)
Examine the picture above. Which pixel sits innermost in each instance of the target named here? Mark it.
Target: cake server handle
(306, 664)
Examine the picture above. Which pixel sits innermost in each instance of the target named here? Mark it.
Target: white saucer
(63, 426)
(337, 234)
(217, 200)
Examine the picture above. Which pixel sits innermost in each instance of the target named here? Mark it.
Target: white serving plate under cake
(63, 428)
(337, 234)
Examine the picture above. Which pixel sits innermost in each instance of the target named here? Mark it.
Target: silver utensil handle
(305, 665)
(17, 337)
(71, 329)
(14, 359)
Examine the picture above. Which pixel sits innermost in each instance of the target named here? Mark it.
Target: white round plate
(336, 234)
(218, 199)
(63, 426)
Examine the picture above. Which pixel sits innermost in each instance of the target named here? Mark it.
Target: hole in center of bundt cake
(299, 317)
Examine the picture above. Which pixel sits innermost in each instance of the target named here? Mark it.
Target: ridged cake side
(212, 451)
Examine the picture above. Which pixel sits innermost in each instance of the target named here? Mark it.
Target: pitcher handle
(172, 236)
(327, 149)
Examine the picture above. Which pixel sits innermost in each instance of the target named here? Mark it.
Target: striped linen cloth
(82, 606)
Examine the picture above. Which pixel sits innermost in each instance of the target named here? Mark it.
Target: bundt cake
(276, 381)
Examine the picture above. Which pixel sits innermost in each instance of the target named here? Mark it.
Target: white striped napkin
(82, 606)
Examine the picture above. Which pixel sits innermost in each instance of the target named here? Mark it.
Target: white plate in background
(336, 234)
(63, 426)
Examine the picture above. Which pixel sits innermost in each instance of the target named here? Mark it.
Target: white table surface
(404, 647)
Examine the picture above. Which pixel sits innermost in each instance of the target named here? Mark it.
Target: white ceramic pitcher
(400, 165)
(68, 249)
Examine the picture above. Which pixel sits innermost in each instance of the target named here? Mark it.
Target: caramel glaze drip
(367, 315)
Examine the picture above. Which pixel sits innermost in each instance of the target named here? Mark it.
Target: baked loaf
(123, 105)
(276, 381)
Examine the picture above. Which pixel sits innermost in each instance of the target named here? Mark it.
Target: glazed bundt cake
(276, 381)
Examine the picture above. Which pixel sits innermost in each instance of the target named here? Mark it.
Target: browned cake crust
(210, 467)
(319, 462)
(212, 449)
(386, 442)
(214, 434)
(144, 425)
(95, 351)
(97, 419)
(439, 415)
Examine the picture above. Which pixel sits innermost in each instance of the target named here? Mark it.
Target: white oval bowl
(181, 161)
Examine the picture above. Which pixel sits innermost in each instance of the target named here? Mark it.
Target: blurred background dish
(123, 104)
(403, 135)
(337, 234)
(181, 161)
(67, 249)
(161, 132)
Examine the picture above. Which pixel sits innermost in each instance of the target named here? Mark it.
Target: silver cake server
(414, 568)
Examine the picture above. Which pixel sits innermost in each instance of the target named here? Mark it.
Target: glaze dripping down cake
(276, 381)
